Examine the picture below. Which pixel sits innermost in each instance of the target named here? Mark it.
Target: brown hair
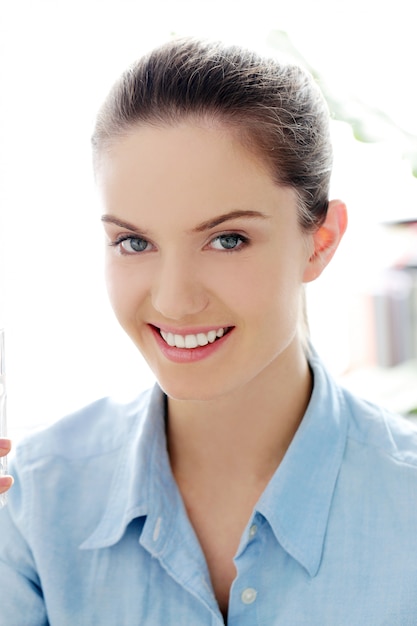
(276, 109)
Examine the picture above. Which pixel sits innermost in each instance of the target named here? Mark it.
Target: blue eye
(230, 241)
(131, 245)
(134, 244)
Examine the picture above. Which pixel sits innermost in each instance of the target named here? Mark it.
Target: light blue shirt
(96, 533)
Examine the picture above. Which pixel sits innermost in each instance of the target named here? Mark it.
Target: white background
(58, 59)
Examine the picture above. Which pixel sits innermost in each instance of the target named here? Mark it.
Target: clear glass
(3, 419)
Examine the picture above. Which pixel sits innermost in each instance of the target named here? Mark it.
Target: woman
(246, 487)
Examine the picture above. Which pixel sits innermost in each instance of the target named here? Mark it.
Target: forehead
(199, 168)
(156, 146)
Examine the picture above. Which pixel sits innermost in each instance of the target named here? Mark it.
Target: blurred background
(57, 62)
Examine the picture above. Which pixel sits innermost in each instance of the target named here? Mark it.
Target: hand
(5, 481)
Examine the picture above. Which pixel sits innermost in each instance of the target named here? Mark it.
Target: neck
(246, 433)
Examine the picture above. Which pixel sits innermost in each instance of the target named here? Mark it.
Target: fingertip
(5, 444)
(5, 483)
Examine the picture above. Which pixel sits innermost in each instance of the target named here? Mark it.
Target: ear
(326, 239)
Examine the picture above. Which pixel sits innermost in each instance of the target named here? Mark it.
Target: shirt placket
(246, 592)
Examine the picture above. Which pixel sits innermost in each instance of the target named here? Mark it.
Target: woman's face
(205, 257)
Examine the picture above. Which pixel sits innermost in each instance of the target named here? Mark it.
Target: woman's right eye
(131, 245)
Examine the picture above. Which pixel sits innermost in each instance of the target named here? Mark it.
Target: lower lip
(188, 355)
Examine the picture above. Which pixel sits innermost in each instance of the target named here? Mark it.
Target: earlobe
(326, 240)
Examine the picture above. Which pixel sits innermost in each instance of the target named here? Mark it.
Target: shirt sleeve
(21, 598)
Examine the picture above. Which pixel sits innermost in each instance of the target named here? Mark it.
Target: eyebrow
(232, 215)
(207, 225)
(110, 219)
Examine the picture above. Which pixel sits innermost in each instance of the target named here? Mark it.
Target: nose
(178, 292)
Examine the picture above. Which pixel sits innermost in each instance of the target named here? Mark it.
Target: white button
(248, 595)
(252, 531)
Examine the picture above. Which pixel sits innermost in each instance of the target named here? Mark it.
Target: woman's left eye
(229, 241)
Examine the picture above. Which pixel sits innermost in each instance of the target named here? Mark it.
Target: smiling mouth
(188, 342)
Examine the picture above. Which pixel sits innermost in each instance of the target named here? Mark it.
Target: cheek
(124, 289)
(265, 285)
(112, 284)
(271, 296)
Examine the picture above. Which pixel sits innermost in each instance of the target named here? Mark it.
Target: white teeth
(180, 341)
(169, 338)
(202, 339)
(211, 335)
(192, 341)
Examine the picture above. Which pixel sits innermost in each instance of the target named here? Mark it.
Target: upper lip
(189, 330)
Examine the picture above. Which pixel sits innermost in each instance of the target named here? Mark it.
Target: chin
(186, 393)
(188, 389)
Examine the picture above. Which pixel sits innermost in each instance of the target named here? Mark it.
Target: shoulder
(380, 432)
(66, 474)
(377, 483)
(98, 428)
(373, 429)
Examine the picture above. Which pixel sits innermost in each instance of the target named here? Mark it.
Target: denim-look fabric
(96, 533)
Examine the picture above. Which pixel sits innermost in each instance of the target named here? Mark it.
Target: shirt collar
(136, 488)
(297, 501)
(144, 486)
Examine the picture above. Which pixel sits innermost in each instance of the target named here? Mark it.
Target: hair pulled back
(276, 110)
